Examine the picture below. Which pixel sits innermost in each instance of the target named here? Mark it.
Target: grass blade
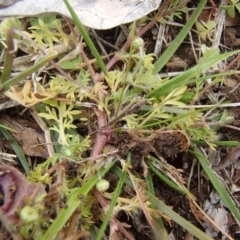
(14, 80)
(179, 39)
(192, 75)
(177, 218)
(72, 204)
(117, 192)
(10, 54)
(218, 143)
(86, 37)
(157, 204)
(218, 185)
(169, 182)
(118, 172)
(16, 148)
(158, 221)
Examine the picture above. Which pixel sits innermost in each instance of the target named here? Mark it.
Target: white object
(98, 14)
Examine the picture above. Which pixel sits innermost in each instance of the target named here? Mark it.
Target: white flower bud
(102, 185)
(29, 214)
(137, 43)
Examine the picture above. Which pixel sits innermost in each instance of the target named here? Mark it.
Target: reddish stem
(99, 145)
(161, 13)
(89, 66)
(102, 135)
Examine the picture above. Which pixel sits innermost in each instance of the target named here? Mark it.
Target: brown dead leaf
(231, 82)
(27, 134)
(231, 158)
(198, 214)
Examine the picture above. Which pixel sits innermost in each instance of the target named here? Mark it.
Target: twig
(45, 129)
(213, 10)
(101, 138)
(89, 66)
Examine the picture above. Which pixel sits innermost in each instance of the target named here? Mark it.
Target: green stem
(61, 124)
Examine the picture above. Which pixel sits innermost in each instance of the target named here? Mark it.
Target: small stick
(45, 129)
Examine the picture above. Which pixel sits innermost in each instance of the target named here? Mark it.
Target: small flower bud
(29, 214)
(137, 42)
(102, 185)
